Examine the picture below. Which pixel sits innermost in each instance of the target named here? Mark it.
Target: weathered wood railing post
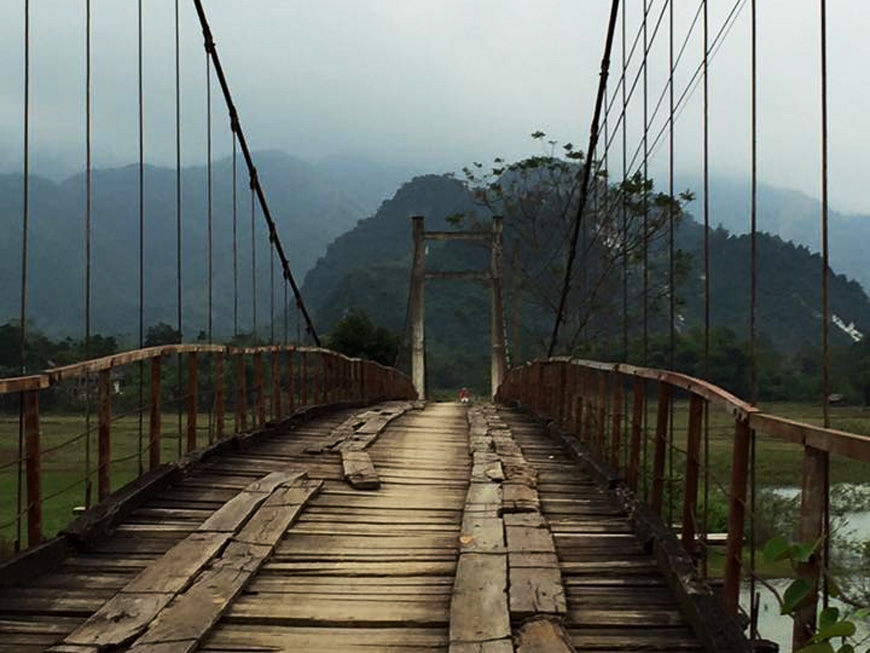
(324, 379)
(637, 406)
(277, 412)
(191, 400)
(291, 389)
(736, 514)
(588, 409)
(616, 424)
(811, 530)
(303, 380)
(155, 432)
(104, 436)
(241, 395)
(259, 389)
(602, 416)
(33, 466)
(693, 464)
(661, 447)
(219, 395)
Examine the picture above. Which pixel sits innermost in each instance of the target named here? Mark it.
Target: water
(778, 628)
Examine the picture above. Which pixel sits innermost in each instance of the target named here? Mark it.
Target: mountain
(793, 216)
(366, 181)
(369, 268)
(309, 209)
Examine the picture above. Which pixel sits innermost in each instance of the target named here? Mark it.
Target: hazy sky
(431, 85)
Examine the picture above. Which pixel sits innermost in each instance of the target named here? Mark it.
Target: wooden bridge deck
(360, 570)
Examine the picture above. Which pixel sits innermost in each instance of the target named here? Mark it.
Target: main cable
(587, 170)
(252, 170)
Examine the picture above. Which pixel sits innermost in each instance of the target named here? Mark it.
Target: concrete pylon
(418, 334)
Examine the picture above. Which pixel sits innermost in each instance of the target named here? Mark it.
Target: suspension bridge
(285, 497)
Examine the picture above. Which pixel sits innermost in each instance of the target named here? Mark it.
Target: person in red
(463, 395)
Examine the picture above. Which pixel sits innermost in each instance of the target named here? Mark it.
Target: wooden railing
(605, 406)
(210, 378)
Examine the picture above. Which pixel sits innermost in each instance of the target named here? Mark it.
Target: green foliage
(356, 335)
(831, 625)
(161, 334)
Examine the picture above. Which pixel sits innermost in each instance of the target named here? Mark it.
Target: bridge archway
(494, 239)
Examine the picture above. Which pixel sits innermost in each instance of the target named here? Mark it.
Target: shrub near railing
(605, 405)
(252, 384)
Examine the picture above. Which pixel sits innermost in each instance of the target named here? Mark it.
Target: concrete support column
(498, 364)
(418, 336)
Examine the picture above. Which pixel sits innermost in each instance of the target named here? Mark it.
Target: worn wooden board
(359, 470)
(174, 571)
(482, 535)
(121, 619)
(543, 636)
(536, 590)
(498, 646)
(479, 608)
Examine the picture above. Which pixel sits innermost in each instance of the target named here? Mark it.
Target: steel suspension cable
(22, 315)
(623, 202)
(255, 182)
(645, 300)
(141, 100)
(87, 226)
(178, 233)
(753, 294)
(235, 243)
(671, 271)
(253, 263)
(210, 207)
(587, 170)
(826, 317)
(706, 263)
(620, 85)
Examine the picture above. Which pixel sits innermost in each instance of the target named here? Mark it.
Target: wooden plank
(359, 470)
(121, 619)
(518, 497)
(479, 607)
(482, 535)
(178, 566)
(536, 590)
(543, 636)
(229, 517)
(277, 513)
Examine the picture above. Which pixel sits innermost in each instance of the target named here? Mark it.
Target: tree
(161, 334)
(356, 335)
(623, 239)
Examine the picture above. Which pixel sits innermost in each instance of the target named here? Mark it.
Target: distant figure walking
(463, 396)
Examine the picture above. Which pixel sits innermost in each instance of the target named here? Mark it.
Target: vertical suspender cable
(253, 263)
(645, 317)
(587, 171)
(622, 197)
(210, 217)
(753, 291)
(22, 315)
(141, 100)
(235, 243)
(178, 283)
(272, 294)
(671, 288)
(88, 211)
(706, 263)
(826, 319)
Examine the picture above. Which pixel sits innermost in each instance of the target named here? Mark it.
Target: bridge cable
(255, 183)
(620, 85)
(826, 318)
(272, 294)
(623, 204)
(645, 296)
(235, 243)
(141, 100)
(753, 298)
(87, 226)
(584, 192)
(706, 264)
(210, 208)
(253, 263)
(671, 271)
(22, 316)
(178, 231)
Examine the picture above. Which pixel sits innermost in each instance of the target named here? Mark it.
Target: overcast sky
(431, 85)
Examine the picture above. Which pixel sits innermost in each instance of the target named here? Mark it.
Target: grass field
(64, 445)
